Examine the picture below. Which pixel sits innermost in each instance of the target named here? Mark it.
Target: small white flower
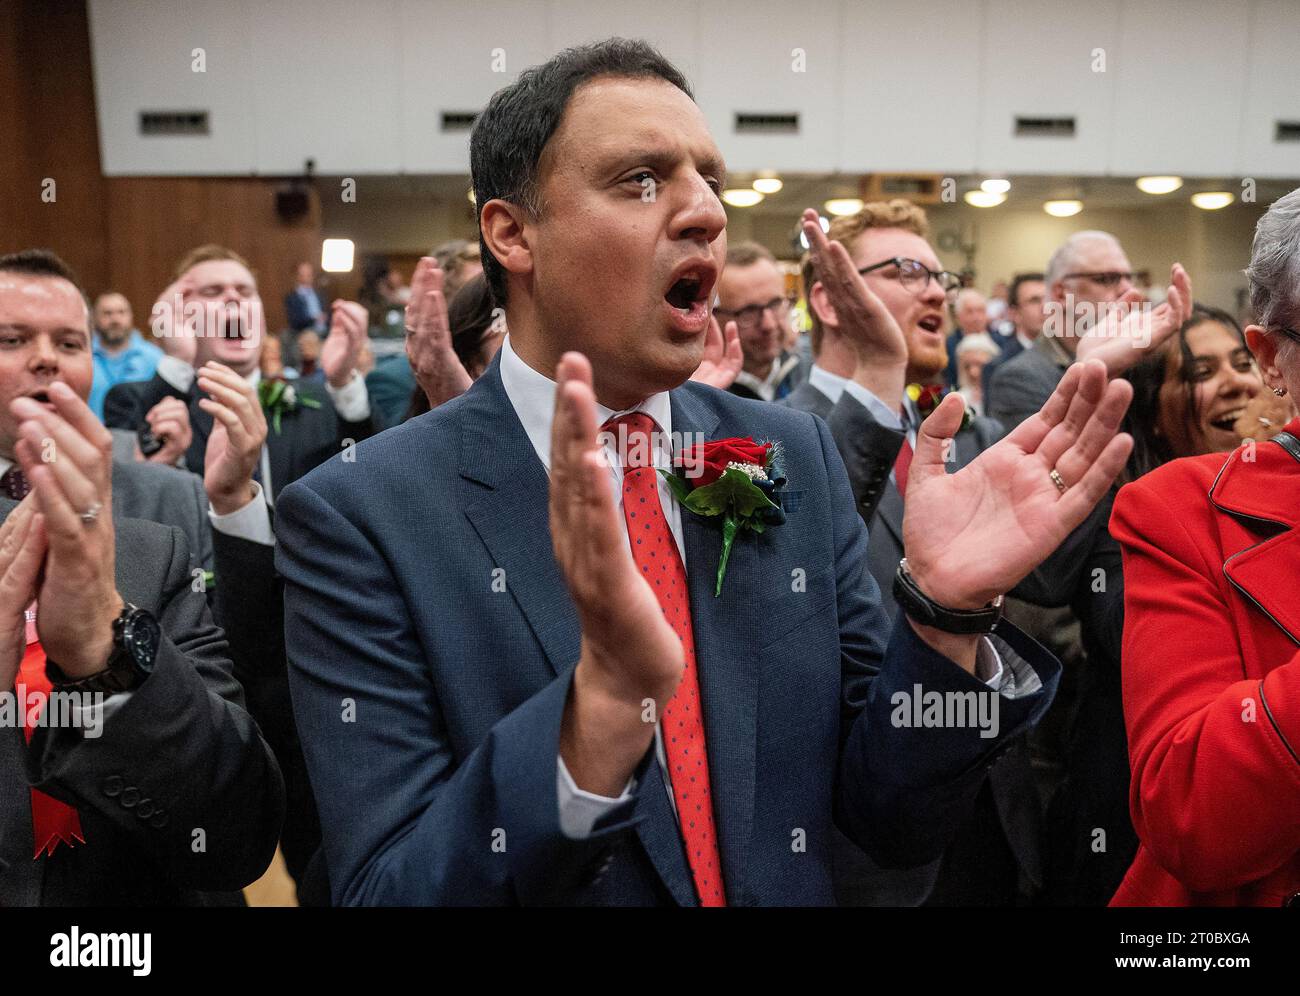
(751, 470)
(290, 396)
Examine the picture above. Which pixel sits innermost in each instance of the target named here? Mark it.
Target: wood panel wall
(119, 233)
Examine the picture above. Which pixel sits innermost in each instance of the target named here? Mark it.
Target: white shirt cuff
(1010, 682)
(352, 400)
(252, 522)
(177, 373)
(879, 410)
(579, 810)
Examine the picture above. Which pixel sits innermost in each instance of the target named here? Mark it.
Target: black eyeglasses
(915, 275)
(1109, 278)
(750, 318)
(1291, 334)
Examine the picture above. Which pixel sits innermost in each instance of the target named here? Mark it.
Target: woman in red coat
(1211, 652)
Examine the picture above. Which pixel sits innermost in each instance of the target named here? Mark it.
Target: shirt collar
(532, 395)
(831, 385)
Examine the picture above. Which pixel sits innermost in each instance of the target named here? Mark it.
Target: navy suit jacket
(432, 642)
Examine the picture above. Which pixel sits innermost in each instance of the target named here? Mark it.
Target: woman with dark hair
(1211, 666)
(1194, 394)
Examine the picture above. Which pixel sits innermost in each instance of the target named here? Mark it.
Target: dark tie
(14, 483)
(654, 550)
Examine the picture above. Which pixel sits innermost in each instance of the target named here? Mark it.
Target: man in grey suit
(877, 301)
(1087, 270)
(142, 780)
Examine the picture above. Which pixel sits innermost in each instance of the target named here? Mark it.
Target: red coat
(1212, 678)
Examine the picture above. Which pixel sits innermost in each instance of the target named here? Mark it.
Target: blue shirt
(137, 361)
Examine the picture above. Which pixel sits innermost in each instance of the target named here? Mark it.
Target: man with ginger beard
(707, 717)
(860, 388)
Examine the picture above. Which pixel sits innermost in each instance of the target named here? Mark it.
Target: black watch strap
(926, 611)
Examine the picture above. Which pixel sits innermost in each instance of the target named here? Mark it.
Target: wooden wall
(120, 233)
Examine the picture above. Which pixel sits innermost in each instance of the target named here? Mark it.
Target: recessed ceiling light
(1063, 209)
(983, 199)
(840, 206)
(741, 197)
(1159, 184)
(995, 186)
(768, 184)
(1212, 200)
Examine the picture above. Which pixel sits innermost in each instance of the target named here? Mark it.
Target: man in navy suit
(498, 707)
(1025, 302)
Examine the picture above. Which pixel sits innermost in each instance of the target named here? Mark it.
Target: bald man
(120, 352)
(970, 317)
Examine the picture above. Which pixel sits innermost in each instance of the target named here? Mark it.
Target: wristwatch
(928, 612)
(135, 647)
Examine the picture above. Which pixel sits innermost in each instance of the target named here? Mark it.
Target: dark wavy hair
(1150, 448)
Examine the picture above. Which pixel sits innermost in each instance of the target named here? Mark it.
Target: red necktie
(656, 555)
(53, 822)
(902, 464)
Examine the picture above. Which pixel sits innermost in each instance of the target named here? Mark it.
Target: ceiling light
(841, 206)
(768, 184)
(995, 186)
(1063, 209)
(741, 197)
(1212, 200)
(1159, 184)
(336, 255)
(983, 199)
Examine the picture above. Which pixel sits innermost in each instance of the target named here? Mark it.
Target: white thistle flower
(289, 395)
(751, 470)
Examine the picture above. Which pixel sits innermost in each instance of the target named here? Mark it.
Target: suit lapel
(890, 511)
(512, 517)
(727, 641)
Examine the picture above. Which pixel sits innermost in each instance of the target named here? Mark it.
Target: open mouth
(692, 282)
(1228, 420)
(931, 323)
(233, 327)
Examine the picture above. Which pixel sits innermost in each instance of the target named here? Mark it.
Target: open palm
(1128, 333)
(972, 535)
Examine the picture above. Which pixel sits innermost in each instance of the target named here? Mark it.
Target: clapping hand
(723, 358)
(238, 432)
(349, 328)
(66, 455)
(630, 653)
(1132, 331)
(169, 421)
(22, 555)
(434, 362)
(859, 315)
(972, 535)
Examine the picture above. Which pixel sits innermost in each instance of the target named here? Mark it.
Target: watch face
(140, 637)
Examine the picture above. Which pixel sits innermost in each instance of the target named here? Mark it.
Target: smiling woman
(1211, 674)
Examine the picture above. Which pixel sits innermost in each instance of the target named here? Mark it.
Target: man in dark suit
(1025, 302)
(878, 333)
(215, 315)
(704, 742)
(144, 781)
(302, 305)
(751, 293)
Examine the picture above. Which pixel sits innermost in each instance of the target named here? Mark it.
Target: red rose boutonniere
(735, 481)
(926, 397)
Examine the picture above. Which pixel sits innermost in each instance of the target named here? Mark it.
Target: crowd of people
(967, 601)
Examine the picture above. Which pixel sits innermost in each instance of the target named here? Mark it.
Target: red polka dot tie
(656, 556)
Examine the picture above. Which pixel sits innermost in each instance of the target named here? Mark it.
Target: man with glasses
(878, 316)
(751, 293)
(1088, 270)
